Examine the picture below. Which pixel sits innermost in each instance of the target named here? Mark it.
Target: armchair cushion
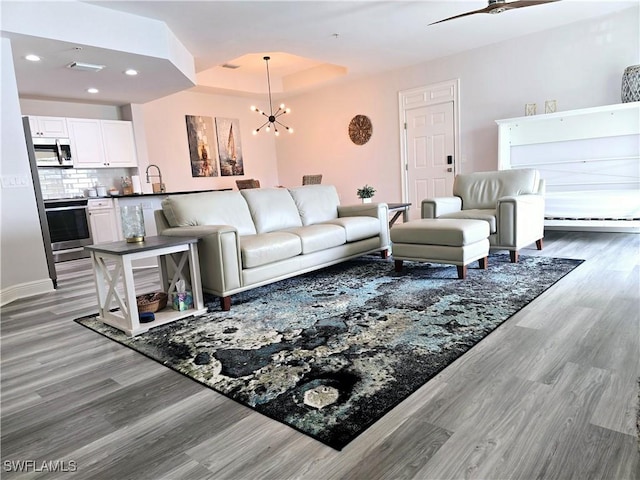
(481, 190)
(487, 215)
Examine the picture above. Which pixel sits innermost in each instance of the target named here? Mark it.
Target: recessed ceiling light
(92, 90)
(131, 71)
(32, 58)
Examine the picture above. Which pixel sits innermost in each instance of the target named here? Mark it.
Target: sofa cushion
(476, 214)
(483, 189)
(358, 228)
(271, 209)
(316, 203)
(265, 248)
(209, 208)
(320, 237)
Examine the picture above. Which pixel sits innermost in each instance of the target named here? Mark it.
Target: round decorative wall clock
(360, 129)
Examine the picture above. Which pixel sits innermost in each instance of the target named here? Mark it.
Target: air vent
(85, 67)
(230, 66)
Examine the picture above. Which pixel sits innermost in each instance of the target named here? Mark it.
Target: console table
(112, 268)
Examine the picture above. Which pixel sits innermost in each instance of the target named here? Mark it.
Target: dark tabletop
(150, 243)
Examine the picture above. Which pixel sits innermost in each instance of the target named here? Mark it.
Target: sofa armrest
(377, 210)
(219, 252)
(520, 220)
(435, 207)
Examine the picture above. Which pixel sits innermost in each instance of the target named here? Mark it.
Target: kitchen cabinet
(102, 143)
(119, 144)
(87, 147)
(54, 127)
(102, 219)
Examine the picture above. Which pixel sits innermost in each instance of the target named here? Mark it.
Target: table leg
(131, 316)
(196, 283)
(394, 218)
(100, 282)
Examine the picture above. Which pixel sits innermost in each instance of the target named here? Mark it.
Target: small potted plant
(365, 193)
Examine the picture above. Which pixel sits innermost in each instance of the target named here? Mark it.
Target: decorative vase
(132, 223)
(366, 200)
(631, 84)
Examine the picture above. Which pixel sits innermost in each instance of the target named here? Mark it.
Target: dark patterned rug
(330, 352)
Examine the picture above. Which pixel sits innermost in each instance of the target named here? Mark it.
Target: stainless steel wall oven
(69, 228)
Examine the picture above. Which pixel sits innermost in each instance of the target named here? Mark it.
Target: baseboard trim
(23, 290)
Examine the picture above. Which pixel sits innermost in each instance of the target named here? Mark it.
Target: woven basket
(151, 302)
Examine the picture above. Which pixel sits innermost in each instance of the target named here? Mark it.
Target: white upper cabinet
(54, 127)
(119, 144)
(87, 147)
(102, 143)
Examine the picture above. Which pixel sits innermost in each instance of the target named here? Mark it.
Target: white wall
(579, 65)
(23, 265)
(166, 136)
(50, 108)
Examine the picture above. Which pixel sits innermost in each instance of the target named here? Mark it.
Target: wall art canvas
(229, 146)
(200, 134)
(530, 109)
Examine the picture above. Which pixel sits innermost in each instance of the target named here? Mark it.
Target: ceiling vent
(85, 67)
(230, 66)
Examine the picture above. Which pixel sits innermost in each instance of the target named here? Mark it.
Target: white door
(430, 149)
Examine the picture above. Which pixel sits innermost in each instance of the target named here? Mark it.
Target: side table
(399, 209)
(176, 254)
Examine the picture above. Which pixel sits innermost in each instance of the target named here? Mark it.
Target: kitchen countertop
(169, 193)
(79, 199)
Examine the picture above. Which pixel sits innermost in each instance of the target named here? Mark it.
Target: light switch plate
(15, 181)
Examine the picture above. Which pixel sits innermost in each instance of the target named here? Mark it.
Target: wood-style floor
(551, 394)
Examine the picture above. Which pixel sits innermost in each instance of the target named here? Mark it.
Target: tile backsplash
(70, 182)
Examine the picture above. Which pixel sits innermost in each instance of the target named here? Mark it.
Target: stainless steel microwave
(52, 152)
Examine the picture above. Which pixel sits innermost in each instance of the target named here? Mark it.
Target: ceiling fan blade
(500, 7)
(482, 10)
(458, 16)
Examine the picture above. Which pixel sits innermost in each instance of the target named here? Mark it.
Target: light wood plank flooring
(551, 394)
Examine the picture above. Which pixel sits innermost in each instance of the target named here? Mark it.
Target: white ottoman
(451, 241)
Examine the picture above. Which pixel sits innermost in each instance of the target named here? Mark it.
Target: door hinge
(405, 125)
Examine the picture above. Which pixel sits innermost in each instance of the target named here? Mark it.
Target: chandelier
(272, 118)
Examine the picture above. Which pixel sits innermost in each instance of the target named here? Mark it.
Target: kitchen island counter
(160, 194)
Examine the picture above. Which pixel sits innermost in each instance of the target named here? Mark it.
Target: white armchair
(511, 201)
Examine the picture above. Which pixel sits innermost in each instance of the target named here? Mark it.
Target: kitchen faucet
(159, 175)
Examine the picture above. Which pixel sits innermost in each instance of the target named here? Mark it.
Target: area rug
(330, 352)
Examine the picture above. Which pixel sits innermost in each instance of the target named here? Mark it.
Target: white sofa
(511, 201)
(253, 237)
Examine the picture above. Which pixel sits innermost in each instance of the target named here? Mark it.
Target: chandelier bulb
(268, 129)
(282, 105)
(290, 130)
(277, 133)
(288, 110)
(253, 108)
